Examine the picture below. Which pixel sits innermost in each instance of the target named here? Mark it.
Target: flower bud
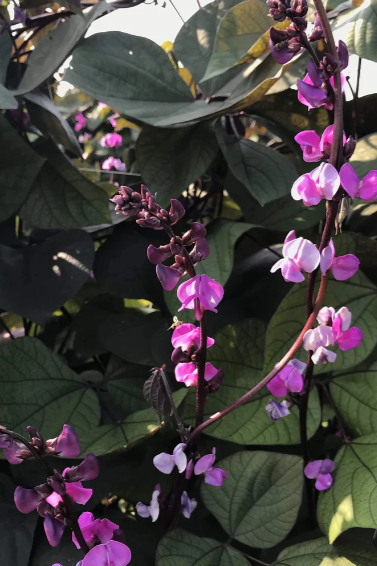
(196, 232)
(200, 251)
(87, 470)
(328, 64)
(66, 444)
(349, 148)
(176, 212)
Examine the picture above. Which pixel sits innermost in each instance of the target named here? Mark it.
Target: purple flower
(323, 355)
(66, 444)
(188, 505)
(365, 189)
(176, 212)
(320, 470)
(315, 148)
(166, 462)
(111, 140)
(288, 380)
(113, 163)
(277, 410)
(310, 95)
(91, 528)
(342, 267)
(322, 183)
(186, 335)
(153, 509)
(87, 470)
(168, 276)
(80, 122)
(26, 500)
(187, 373)
(75, 490)
(212, 476)
(299, 255)
(283, 47)
(53, 530)
(200, 293)
(112, 553)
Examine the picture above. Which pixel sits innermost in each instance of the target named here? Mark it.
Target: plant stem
(201, 387)
(181, 428)
(337, 414)
(310, 49)
(303, 409)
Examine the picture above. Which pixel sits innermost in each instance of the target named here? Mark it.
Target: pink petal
(345, 316)
(158, 255)
(309, 142)
(323, 355)
(204, 464)
(328, 180)
(215, 477)
(308, 256)
(290, 236)
(54, 499)
(277, 386)
(105, 530)
(26, 500)
(325, 314)
(186, 373)
(310, 340)
(167, 276)
(324, 482)
(313, 469)
(180, 334)
(210, 371)
(345, 266)
(96, 557)
(326, 259)
(278, 265)
(327, 467)
(300, 366)
(53, 529)
(291, 273)
(67, 443)
(294, 382)
(305, 189)
(188, 289)
(324, 336)
(164, 462)
(310, 95)
(351, 338)
(349, 180)
(79, 494)
(211, 290)
(118, 554)
(368, 189)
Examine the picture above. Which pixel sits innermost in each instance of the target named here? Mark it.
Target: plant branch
(303, 410)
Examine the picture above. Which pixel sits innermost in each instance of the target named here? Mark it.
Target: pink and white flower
(299, 255)
(288, 380)
(365, 189)
(322, 183)
(200, 293)
(342, 267)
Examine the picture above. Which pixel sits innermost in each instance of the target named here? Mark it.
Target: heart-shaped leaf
(320, 553)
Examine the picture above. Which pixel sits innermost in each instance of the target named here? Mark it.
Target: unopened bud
(349, 148)
(176, 212)
(216, 381)
(196, 232)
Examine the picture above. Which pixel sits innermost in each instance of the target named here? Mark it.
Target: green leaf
(266, 173)
(357, 29)
(170, 159)
(125, 384)
(238, 31)
(186, 549)
(320, 553)
(7, 100)
(36, 280)
(365, 156)
(55, 47)
(238, 350)
(259, 502)
(45, 115)
(358, 294)
(16, 181)
(5, 53)
(352, 499)
(61, 197)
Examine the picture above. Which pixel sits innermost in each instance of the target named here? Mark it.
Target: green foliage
(319, 553)
(357, 29)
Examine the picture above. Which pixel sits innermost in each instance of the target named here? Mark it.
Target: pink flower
(153, 509)
(186, 335)
(187, 373)
(299, 255)
(75, 490)
(345, 337)
(91, 528)
(111, 140)
(212, 476)
(320, 470)
(312, 90)
(323, 355)
(112, 553)
(80, 122)
(113, 163)
(200, 293)
(342, 267)
(166, 462)
(365, 189)
(315, 148)
(66, 444)
(322, 183)
(288, 380)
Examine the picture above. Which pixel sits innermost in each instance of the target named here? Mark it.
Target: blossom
(53, 530)
(323, 355)
(315, 148)
(312, 90)
(166, 462)
(153, 509)
(113, 163)
(277, 410)
(87, 470)
(168, 276)
(345, 337)
(112, 553)
(66, 444)
(321, 183)
(299, 255)
(200, 293)
(111, 140)
(186, 335)
(187, 373)
(320, 470)
(342, 267)
(212, 476)
(188, 505)
(288, 380)
(365, 189)
(80, 122)
(75, 490)
(91, 528)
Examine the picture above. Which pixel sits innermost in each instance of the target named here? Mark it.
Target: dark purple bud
(53, 529)
(328, 64)
(145, 192)
(87, 470)
(282, 48)
(152, 222)
(278, 9)
(66, 444)
(197, 231)
(119, 536)
(315, 74)
(57, 485)
(158, 255)
(299, 8)
(200, 251)
(343, 55)
(26, 500)
(176, 212)
(167, 276)
(349, 148)
(317, 32)
(178, 356)
(297, 27)
(216, 381)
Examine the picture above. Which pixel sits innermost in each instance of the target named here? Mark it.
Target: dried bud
(196, 232)
(176, 212)
(216, 381)
(158, 255)
(349, 148)
(87, 470)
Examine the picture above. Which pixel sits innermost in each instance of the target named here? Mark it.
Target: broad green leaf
(55, 47)
(61, 197)
(170, 159)
(5, 53)
(358, 294)
(320, 553)
(16, 181)
(238, 31)
(125, 384)
(266, 173)
(45, 115)
(186, 549)
(351, 501)
(364, 158)
(7, 100)
(36, 280)
(259, 502)
(297, 70)
(357, 29)
(238, 350)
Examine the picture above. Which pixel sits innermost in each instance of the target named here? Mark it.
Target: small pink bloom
(66, 444)
(288, 380)
(325, 314)
(317, 337)
(212, 476)
(113, 163)
(365, 189)
(166, 462)
(200, 293)
(322, 183)
(299, 255)
(112, 553)
(103, 529)
(111, 140)
(342, 267)
(323, 355)
(345, 337)
(80, 122)
(187, 373)
(315, 148)
(187, 334)
(320, 470)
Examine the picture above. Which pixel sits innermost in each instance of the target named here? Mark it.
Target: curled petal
(176, 212)
(164, 462)
(210, 371)
(86, 471)
(323, 355)
(79, 494)
(344, 267)
(309, 142)
(328, 179)
(53, 529)
(201, 250)
(326, 259)
(310, 95)
(308, 256)
(305, 189)
(290, 236)
(204, 464)
(26, 500)
(180, 458)
(324, 482)
(66, 444)
(277, 386)
(158, 255)
(299, 366)
(349, 180)
(186, 373)
(167, 276)
(325, 314)
(185, 334)
(215, 477)
(351, 338)
(345, 317)
(291, 272)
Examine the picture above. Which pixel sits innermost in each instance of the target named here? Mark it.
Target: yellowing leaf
(187, 77)
(122, 123)
(167, 46)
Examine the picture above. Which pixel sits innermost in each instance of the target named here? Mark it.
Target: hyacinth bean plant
(272, 509)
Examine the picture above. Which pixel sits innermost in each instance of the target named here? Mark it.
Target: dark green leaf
(44, 554)
(55, 47)
(5, 53)
(125, 384)
(320, 553)
(155, 394)
(45, 115)
(16, 181)
(36, 280)
(259, 502)
(7, 100)
(170, 159)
